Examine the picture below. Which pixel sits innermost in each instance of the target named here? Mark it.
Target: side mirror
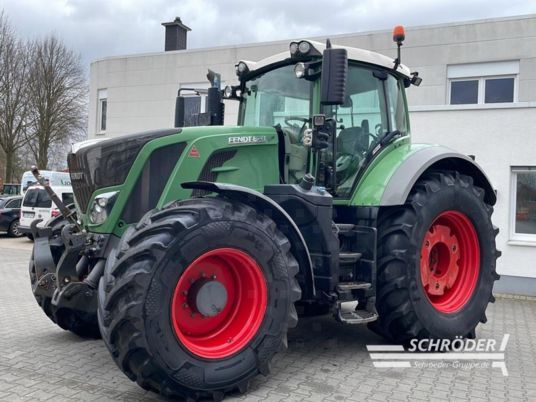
(334, 75)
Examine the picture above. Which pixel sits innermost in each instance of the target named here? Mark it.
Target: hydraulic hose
(94, 276)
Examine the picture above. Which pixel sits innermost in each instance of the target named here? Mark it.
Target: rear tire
(82, 324)
(152, 333)
(436, 261)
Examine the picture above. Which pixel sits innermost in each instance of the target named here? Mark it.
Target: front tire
(436, 261)
(160, 325)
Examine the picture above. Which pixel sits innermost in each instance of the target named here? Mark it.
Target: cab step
(348, 286)
(345, 227)
(348, 314)
(346, 258)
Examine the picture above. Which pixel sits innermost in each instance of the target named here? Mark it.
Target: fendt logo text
(248, 139)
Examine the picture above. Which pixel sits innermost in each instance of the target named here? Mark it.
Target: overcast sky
(100, 28)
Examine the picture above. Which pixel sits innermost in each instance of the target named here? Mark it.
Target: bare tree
(14, 67)
(57, 97)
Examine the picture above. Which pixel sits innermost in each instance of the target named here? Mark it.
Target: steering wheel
(301, 129)
(299, 118)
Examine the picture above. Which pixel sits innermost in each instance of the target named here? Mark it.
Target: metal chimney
(176, 33)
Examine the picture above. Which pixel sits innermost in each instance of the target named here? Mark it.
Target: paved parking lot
(325, 360)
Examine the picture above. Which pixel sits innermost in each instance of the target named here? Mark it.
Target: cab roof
(356, 54)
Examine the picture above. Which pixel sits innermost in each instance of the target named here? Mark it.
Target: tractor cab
(357, 96)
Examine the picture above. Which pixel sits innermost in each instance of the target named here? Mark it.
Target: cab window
(397, 105)
(361, 120)
(276, 97)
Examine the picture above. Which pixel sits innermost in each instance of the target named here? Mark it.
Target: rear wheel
(436, 260)
(198, 298)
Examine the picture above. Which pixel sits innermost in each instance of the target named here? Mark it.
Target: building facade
(478, 96)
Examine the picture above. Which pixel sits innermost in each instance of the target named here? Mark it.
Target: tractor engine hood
(96, 164)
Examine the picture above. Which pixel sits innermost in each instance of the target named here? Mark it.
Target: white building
(478, 96)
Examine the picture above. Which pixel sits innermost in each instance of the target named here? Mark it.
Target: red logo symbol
(194, 153)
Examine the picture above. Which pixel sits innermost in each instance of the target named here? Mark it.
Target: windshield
(275, 98)
(37, 198)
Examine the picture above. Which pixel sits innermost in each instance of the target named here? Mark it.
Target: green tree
(57, 97)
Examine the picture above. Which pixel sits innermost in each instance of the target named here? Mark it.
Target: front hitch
(62, 282)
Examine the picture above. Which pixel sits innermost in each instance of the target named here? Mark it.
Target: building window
(523, 204)
(482, 83)
(499, 90)
(463, 92)
(102, 110)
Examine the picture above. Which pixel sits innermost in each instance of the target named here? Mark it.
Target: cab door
(361, 120)
(374, 107)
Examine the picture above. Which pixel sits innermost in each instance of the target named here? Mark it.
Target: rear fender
(284, 223)
(433, 158)
(389, 181)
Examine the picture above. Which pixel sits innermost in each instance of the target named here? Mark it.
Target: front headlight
(101, 207)
(300, 70)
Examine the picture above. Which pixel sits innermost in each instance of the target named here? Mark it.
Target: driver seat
(349, 141)
(354, 140)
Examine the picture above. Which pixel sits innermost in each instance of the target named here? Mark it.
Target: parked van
(38, 205)
(53, 177)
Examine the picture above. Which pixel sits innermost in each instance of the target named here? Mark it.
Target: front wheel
(436, 260)
(198, 298)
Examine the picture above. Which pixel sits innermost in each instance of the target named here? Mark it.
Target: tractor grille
(217, 159)
(151, 181)
(82, 187)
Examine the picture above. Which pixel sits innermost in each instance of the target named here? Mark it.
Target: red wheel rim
(450, 261)
(234, 320)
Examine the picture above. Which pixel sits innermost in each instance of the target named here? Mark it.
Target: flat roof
(336, 36)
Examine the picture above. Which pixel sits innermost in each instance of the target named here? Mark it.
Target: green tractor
(191, 249)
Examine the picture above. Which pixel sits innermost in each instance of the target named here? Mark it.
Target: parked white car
(38, 205)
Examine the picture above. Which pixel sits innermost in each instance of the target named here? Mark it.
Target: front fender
(390, 180)
(273, 210)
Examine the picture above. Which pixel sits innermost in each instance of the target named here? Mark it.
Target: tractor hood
(106, 162)
(143, 171)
